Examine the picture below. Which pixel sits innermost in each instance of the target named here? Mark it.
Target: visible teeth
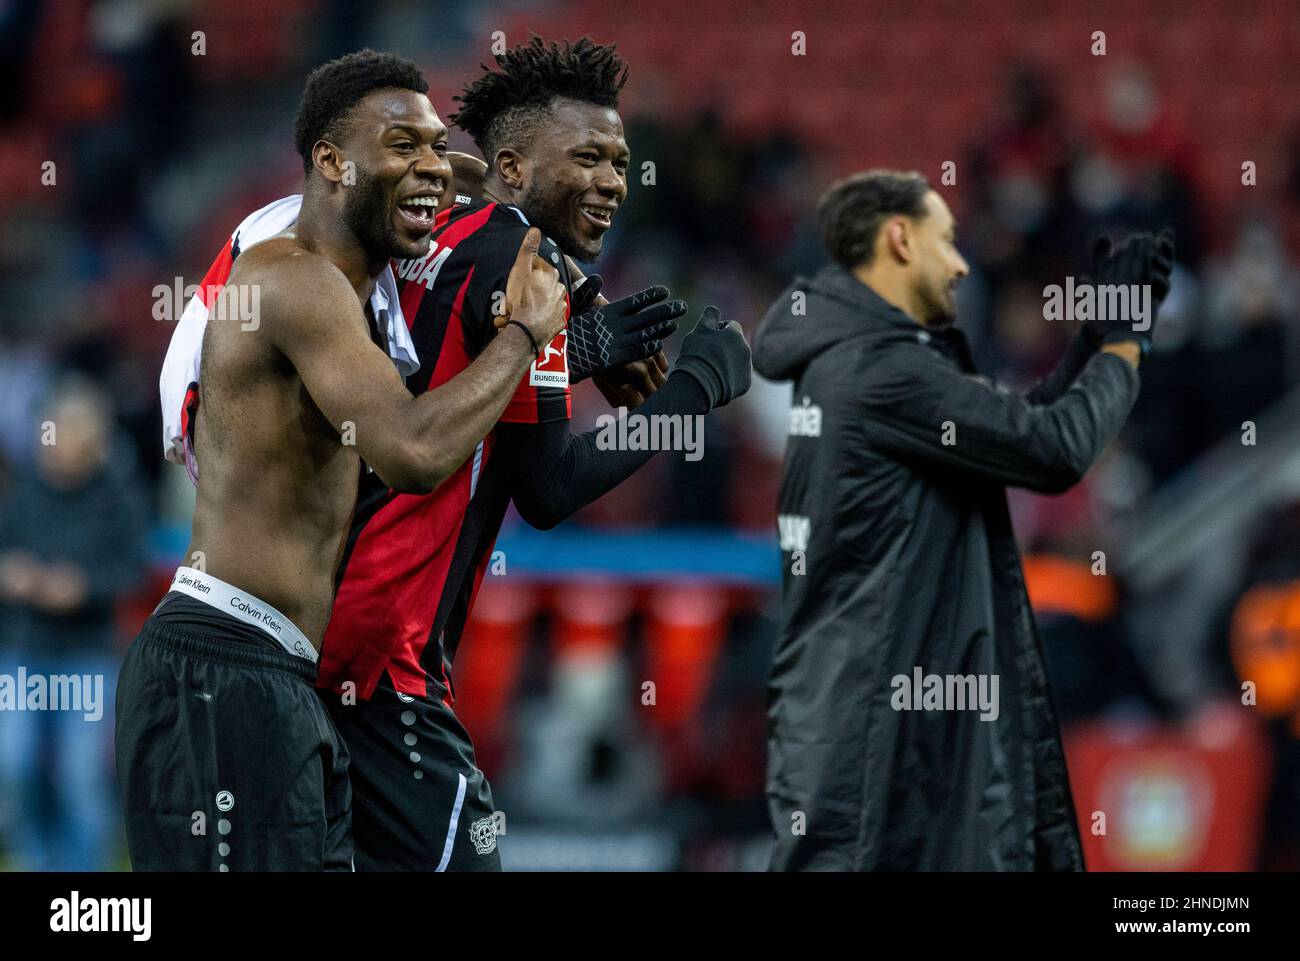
(422, 202)
(600, 213)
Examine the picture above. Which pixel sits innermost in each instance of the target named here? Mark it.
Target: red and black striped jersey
(413, 563)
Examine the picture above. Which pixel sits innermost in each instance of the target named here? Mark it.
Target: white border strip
(451, 828)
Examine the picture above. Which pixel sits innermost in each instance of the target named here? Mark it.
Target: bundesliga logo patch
(552, 368)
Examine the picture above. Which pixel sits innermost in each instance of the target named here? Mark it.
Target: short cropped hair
(334, 88)
(852, 211)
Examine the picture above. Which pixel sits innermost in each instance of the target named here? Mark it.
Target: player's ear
(509, 166)
(898, 238)
(328, 161)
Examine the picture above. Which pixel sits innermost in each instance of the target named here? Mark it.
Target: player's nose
(611, 183)
(433, 166)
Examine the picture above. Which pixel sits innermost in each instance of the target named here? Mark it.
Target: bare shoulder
(298, 289)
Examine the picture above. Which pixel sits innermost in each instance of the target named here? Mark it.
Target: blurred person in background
(899, 560)
(1247, 344)
(1258, 640)
(72, 541)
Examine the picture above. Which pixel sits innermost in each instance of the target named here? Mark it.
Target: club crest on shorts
(552, 368)
(483, 833)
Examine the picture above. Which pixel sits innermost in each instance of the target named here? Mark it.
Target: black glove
(1140, 259)
(584, 295)
(620, 333)
(716, 355)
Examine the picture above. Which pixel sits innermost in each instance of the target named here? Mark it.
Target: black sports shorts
(226, 759)
(420, 801)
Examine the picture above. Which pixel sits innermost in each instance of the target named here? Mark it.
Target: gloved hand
(628, 330)
(716, 355)
(1140, 259)
(585, 294)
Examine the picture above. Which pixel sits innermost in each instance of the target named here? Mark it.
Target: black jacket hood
(838, 307)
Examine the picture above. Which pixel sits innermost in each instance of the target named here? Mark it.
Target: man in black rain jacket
(910, 722)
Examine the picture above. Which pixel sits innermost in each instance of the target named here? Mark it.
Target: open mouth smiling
(418, 211)
(599, 216)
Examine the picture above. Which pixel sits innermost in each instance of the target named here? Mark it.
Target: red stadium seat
(686, 626)
(495, 643)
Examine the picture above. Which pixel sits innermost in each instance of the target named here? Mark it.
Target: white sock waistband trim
(244, 606)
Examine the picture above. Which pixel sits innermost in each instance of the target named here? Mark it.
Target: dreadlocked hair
(502, 108)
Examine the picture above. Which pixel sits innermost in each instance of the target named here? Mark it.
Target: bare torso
(276, 485)
(290, 403)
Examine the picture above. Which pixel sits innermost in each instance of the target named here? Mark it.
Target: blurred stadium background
(673, 577)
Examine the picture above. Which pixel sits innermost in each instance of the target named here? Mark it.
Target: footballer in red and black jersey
(413, 562)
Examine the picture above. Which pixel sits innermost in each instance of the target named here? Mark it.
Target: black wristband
(537, 351)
